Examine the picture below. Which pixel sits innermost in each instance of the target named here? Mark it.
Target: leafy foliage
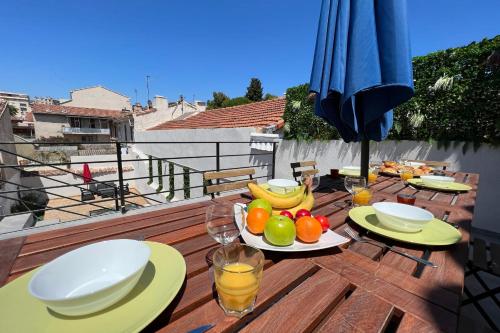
(456, 99)
(12, 110)
(160, 176)
(236, 101)
(254, 90)
(269, 96)
(171, 181)
(218, 99)
(186, 182)
(150, 169)
(456, 96)
(300, 121)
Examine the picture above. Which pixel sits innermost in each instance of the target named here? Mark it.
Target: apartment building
(20, 101)
(80, 124)
(98, 97)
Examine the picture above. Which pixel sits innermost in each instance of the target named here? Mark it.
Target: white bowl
(90, 278)
(436, 180)
(282, 185)
(401, 217)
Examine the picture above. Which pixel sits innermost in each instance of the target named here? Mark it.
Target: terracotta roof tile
(258, 114)
(28, 117)
(78, 111)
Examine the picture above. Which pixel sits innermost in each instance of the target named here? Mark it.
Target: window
(74, 122)
(23, 105)
(92, 123)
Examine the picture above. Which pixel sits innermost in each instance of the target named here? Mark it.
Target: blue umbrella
(362, 68)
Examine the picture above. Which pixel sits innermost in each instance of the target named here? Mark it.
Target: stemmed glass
(353, 184)
(311, 180)
(221, 224)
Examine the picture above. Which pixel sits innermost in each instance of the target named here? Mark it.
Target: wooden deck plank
(411, 324)
(362, 311)
(9, 250)
(313, 299)
(278, 281)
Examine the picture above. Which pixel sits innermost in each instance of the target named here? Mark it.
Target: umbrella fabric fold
(362, 66)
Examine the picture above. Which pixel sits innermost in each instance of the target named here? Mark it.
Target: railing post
(217, 160)
(273, 173)
(120, 175)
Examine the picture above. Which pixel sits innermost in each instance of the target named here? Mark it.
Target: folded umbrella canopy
(362, 67)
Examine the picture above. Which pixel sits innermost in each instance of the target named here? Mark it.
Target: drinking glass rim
(213, 211)
(254, 268)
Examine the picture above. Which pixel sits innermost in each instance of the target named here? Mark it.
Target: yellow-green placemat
(434, 233)
(157, 287)
(447, 187)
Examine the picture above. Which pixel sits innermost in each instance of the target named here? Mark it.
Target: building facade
(98, 97)
(20, 101)
(77, 124)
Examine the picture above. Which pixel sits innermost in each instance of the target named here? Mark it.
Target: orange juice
(372, 177)
(405, 175)
(237, 285)
(362, 196)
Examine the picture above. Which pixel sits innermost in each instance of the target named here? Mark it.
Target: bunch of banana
(280, 201)
(302, 198)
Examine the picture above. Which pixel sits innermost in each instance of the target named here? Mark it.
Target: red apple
(302, 212)
(287, 214)
(324, 222)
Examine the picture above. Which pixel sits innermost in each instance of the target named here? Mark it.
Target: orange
(308, 229)
(256, 220)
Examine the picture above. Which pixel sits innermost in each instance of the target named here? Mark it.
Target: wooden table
(355, 288)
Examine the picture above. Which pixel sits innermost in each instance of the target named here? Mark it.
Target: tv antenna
(147, 84)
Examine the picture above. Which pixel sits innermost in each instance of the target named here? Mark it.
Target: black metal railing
(119, 193)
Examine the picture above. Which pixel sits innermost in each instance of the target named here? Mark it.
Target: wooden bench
(297, 174)
(212, 189)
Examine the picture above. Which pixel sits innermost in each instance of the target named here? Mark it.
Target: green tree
(12, 110)
(236, 101)
(254, 90)
(269, 96)
(218, 100)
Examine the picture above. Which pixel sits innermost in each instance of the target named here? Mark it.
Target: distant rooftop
(258, 114)
(78, 111)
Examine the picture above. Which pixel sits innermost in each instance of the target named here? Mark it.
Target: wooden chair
(212, 189)
(434, 164)
(297, 174)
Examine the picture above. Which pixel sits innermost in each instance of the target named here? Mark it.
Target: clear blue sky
(192, 47)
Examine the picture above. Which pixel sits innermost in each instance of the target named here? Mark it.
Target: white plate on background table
(328, 239)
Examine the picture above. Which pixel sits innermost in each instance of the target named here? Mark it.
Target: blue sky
(193, 47)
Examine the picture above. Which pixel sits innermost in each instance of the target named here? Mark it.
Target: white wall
(335, 154)
(179, 149)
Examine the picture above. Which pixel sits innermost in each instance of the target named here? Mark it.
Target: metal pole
(274, 160)
(217, 161)
(365, 156)
(120, 175)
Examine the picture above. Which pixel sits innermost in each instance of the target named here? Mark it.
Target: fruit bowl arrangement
(283, 222)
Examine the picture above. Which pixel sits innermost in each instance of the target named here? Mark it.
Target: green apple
(279, 230)
(261, 203)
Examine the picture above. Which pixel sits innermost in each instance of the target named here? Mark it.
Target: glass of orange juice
(361, 196)
(238, 272)
(406, 174)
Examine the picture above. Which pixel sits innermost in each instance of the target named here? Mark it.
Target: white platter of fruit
(283, 222)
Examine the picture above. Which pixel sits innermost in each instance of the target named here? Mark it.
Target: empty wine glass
(221, 224)
(311, 180)
(353, 184)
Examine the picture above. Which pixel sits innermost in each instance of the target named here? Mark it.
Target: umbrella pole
(365, 156)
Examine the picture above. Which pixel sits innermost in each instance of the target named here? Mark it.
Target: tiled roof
(78, 111)
(28, 117)
(259, 114)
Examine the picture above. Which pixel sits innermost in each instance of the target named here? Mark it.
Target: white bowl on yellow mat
(90, 278)
(401, 217)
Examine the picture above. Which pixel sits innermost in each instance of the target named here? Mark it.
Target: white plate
(327, 240)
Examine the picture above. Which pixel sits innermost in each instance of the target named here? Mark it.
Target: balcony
(85, 130)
